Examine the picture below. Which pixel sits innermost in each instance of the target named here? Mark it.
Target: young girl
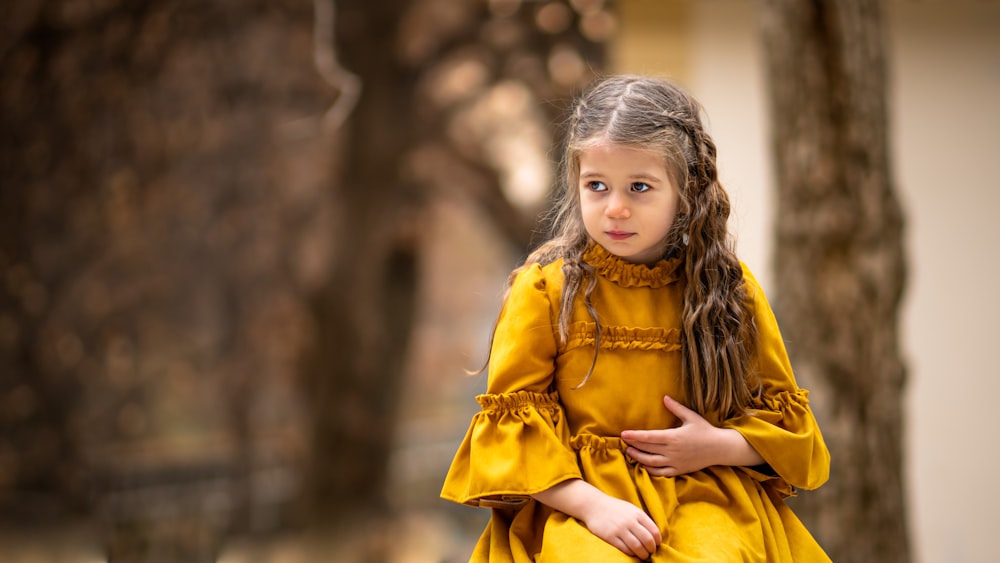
(638, 296)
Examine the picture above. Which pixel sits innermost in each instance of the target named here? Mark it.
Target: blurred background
(248, 249)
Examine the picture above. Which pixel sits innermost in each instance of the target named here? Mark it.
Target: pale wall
(945, 68)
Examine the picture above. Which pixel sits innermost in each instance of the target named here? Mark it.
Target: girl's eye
(640, 187)
(596, 186)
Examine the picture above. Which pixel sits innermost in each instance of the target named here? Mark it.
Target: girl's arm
(618, 522)
(695, 444)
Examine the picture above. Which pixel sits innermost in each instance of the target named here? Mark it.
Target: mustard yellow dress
(538, 427)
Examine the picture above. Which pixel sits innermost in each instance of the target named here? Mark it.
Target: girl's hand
(623, 525)
(618, 522)
(693, 445)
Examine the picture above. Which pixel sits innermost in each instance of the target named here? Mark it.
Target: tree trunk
(442, 81)
(840, 265)
(365, 314)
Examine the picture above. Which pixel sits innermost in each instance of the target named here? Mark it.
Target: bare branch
(348, 85)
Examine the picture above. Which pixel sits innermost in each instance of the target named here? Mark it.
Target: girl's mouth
(618, 235)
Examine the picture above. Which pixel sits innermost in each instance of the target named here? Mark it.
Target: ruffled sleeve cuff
(517, 445)
(784, 432)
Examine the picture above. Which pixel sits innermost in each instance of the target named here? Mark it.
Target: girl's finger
(641, 543)
(654, 534)
(661, 471)
(646, 458)
(622, 546)
(648, 447)
(643, 436)
(679, 410)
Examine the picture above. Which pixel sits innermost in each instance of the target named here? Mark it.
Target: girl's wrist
(575, 497)
(734, 450)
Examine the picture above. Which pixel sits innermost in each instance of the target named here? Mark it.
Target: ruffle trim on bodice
(624, 338)
(628, 274)
(582, 442)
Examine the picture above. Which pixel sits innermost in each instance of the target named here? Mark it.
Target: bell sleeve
(780, 426)
(518, 443)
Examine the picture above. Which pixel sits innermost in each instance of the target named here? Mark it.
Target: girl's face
(628, 200)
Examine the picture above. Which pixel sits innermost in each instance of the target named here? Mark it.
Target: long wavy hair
(718, 333)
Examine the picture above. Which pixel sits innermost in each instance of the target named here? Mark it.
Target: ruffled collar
(628, 274)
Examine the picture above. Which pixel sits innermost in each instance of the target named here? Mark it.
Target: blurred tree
(456, 100)
(206, 206)
(165, 206)
(840, 264)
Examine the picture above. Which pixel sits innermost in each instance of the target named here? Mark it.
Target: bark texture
(840, 263)
(162, 213)
(210, 240)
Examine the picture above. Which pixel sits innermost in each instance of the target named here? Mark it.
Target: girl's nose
(617, 207)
